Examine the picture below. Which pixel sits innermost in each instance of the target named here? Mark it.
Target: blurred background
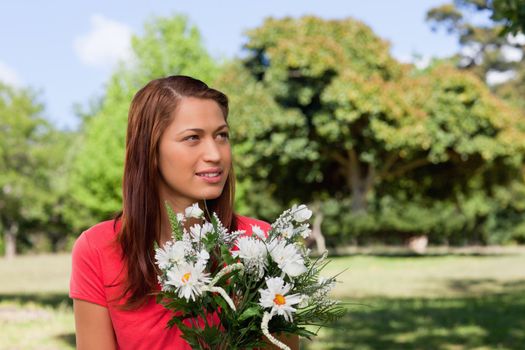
(401, 124)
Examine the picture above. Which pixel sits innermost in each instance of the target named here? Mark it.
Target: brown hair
(150, 113)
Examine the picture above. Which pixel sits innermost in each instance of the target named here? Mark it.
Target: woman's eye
(224, 135)
(192, 138)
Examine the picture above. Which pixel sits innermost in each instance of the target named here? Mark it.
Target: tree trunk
(10, 241)
(320, 242)
(360, 181)
(317, 234)
(359, 203)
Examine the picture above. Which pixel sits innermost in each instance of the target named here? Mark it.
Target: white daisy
(276, 297)
(306, 233)
(171, 253)
(253, 253)
(258, 232)
(195, 230)
(287, 232)
(198, 232)
(206, 228)
(189, 280)
(287, 257)
(193, 211)
(301, 213)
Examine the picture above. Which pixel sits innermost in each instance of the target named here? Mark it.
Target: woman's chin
(210, 195)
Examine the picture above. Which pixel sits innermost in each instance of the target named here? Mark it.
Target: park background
(388, 148)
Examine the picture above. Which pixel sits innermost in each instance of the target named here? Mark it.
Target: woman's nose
(211, 151)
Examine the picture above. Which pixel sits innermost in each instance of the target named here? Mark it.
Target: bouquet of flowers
(229, 290)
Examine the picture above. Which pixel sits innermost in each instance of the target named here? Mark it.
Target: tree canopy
(169, 46)
(344, 119)
(492, 48)
(32, 154)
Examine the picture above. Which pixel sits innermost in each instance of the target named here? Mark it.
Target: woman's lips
(210, 177)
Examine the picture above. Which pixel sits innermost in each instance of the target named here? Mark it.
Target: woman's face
(194, 153)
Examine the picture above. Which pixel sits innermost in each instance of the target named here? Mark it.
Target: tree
(494, 50)
(30, 153)
(169, 46)
(512, 13)
(488, 49)
(345, 119)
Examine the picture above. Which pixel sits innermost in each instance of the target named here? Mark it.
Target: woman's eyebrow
(202, 130)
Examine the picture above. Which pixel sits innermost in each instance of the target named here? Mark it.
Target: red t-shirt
(97, 270)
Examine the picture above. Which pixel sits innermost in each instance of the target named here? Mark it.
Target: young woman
(177, 150)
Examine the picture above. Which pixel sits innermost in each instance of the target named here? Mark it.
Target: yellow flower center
(186, 277)
(279, 299)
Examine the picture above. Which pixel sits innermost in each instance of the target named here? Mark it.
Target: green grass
(35, 311)
(35, 274)
(395, 302)
(483, 322)
(430, 302)
(427, 276)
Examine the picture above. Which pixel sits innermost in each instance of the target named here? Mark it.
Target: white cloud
(495, 77)
(518, 39)
(420, 61)
(106, 43)
(9, 76)
(511, 54)
(471, 52)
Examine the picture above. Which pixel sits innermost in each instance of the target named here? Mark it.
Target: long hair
(150, 113)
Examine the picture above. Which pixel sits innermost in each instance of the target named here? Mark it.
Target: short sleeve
(86, 281)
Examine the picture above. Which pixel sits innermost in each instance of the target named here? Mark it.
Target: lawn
(467, 301)
(35, 312)
(454, 301)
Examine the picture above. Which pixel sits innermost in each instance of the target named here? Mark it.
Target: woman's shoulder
(246, 223)
(95, 262)
(99, 235)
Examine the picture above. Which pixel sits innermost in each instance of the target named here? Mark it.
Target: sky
(66, 50)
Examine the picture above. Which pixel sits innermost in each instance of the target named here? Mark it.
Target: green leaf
(174, 223)
(226, 255)
(250, 312)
